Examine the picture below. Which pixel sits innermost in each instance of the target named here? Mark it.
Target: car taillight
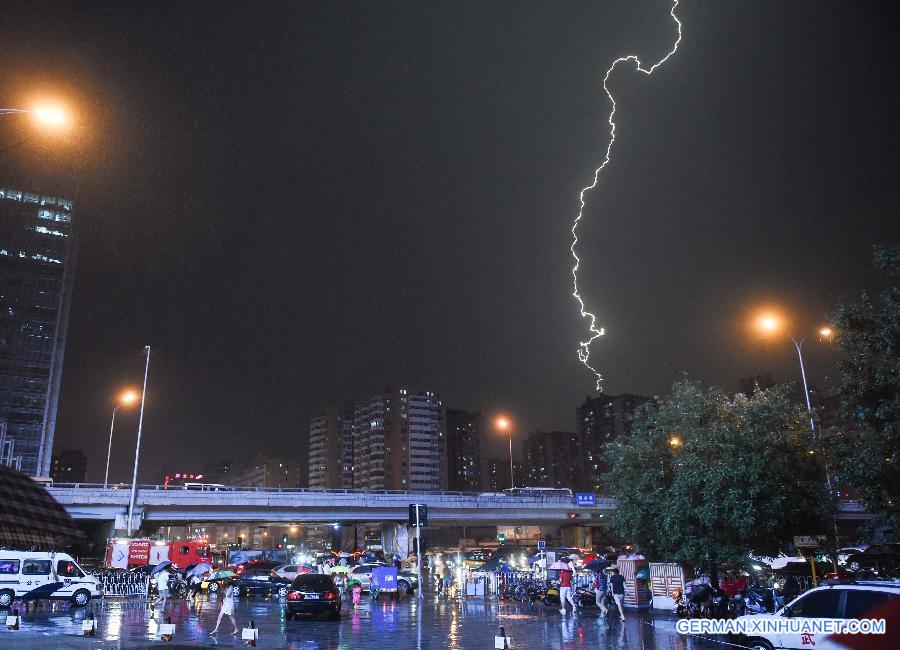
(329, 595)
(295, 595)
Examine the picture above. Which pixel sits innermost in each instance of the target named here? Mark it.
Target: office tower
(37, 260)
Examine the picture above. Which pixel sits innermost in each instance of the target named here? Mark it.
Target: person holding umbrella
(227, 609)
(160, 577)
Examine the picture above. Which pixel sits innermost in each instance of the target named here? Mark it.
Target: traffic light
(284, 539)
(573, 515)
(416, 546)
(501, 537)
(422, 514)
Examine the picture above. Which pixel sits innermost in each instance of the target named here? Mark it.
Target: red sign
(139, 552)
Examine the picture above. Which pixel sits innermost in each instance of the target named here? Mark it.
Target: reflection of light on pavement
(453, 637)
(114, 623)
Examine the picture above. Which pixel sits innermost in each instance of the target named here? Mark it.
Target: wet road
(435, 623)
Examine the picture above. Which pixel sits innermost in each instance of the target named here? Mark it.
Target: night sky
(299, 204)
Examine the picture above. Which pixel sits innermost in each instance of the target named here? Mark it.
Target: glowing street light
(504, 424)
(127, 398)
(826, 332)
(675, 442)
(49, 116)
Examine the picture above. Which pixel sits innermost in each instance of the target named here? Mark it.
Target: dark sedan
(313, 594)
(884, 558)
(254, 582)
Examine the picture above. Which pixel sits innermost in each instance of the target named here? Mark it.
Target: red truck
(126, 553)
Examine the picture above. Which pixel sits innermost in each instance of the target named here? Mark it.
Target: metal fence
(119, 584)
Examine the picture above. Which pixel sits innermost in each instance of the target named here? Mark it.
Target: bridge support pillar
(395, 539)
(579, 536)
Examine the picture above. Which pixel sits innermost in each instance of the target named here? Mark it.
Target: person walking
(227, 609)
(565, 589)
(162, 587)
(600, 592)
(617, 583)
(448, 580)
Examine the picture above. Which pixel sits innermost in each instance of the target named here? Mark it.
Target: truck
(127, 553)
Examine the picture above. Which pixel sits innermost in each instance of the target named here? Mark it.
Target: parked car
(864, 599)
(254, 581)
(405, 579)
(313, 594)
(884, 558)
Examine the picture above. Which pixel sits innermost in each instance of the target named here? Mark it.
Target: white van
(39, 574)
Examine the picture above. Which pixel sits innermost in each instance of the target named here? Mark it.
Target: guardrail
(413, 495)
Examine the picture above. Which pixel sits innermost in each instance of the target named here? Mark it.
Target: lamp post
(503, 424)
(124, 400)
(771, 324)
(137, 450)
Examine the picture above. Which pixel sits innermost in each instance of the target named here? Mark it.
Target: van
(44, 575)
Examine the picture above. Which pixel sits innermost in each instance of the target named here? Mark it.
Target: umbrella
(30, 516)
(590, 557)
(340, 569)
(222, 574)
(559, 566)
(160, 567)
(597, 565)
(343, 554)
(199, 570)
(574, 556)
(353, 583)
(304, 569)
(643, 574)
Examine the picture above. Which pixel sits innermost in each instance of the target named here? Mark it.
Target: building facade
(331, 438)
(37, 259)
(463, 433)
(69, 466)
(269, 472)
(497, 475)
(601, 420)
(399, 441)
(553, 459)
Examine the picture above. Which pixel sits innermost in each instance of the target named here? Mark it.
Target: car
(256, 565)
(853, 600)
(844, 553)
(313, 594)
(363, 573)
(884, 558)
(290, 571)
(254, 581)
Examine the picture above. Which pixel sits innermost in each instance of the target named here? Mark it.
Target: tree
(705, 476)
(866, 451)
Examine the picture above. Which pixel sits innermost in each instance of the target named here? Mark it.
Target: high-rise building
(497, 478)
(269, 472)
(37, 267)
(463, 433)
(331, 436)
(601, 420)
(553, 459)
(69, 466)
(399, 442)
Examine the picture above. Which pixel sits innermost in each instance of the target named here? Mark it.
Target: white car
(844, 553)
(852, 600)
(37, 574)
(287, 571)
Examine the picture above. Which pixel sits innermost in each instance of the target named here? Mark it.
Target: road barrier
(123, 584)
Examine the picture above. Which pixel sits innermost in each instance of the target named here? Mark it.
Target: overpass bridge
(154, 504)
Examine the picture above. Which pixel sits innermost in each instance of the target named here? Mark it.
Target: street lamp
(126, 398)
(47, 115)
(137, 449)
(503, 424)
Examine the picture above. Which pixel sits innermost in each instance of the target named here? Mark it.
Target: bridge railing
(241, 489)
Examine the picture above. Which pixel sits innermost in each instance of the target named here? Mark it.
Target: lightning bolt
(584, 347)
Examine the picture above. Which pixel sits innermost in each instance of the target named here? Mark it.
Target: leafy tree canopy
(706, 476)
(866, 452)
